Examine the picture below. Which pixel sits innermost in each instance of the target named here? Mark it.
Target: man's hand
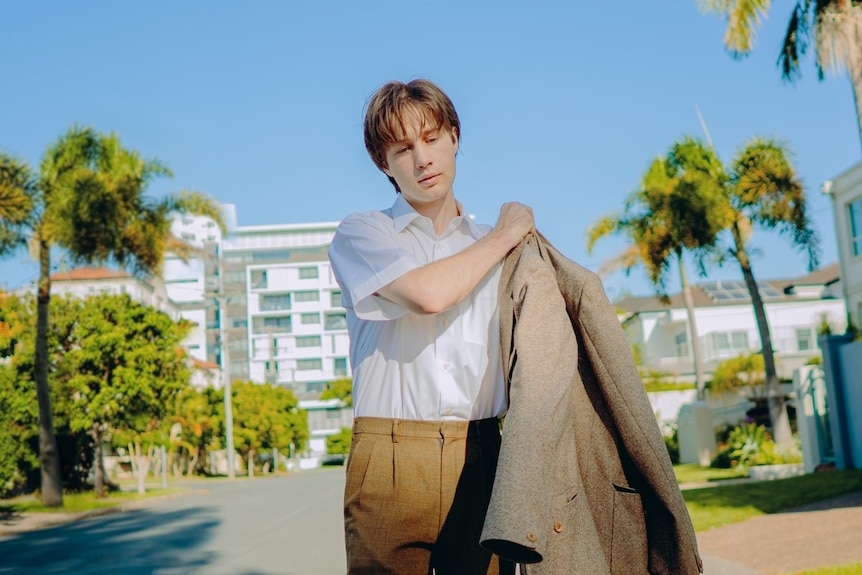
(515, 222)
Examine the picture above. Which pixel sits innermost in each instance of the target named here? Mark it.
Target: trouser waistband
(428, 429)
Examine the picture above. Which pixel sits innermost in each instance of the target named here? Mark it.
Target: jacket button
(558, 527)
(531, 537)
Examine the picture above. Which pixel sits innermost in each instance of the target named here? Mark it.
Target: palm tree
(17, 190)
(678, 190)
(90, 203)
(835, 26)
(763, 190)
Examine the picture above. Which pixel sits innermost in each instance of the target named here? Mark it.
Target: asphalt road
(284, 526)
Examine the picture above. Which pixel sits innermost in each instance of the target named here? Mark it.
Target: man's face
(423, 163)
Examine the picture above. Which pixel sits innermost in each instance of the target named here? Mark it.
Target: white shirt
(406, 365)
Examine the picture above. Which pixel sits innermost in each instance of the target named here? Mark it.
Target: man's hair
(394, 102)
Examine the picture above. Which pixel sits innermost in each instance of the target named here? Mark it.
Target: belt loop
(395, 431)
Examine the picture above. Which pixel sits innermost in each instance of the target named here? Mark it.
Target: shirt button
(558, 527)
(532, 537)
(447, 412)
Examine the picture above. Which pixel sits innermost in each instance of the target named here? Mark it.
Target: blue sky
(563, 104)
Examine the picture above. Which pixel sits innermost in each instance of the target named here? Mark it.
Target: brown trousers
(416, 496)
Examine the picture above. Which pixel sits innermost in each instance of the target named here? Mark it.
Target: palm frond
(743, 19)
(795, 43)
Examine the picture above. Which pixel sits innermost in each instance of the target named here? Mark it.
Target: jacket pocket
(629, 553)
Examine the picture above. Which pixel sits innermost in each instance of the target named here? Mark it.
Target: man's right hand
(515, 222)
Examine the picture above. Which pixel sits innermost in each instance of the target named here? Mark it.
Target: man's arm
(439, 285)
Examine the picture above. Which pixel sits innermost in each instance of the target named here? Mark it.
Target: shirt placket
(446, 372)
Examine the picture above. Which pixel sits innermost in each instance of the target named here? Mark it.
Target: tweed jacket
(584, 483)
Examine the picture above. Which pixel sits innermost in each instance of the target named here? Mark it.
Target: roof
(89, 274)
(732, 292)
(204, 364)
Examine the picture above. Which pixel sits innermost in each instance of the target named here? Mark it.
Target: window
(282, 322)
(309, 364)
(339, 366)
(308, 273)
(258, 279)
(275, 302)
(804, 339)
(309, 318)
(188, 237)
(310, 295)
(240, 323)
(681, 342)
(856, 226)
(335, 299)
(308, 341)
(739, 339)
(336, 321)
(720, 341)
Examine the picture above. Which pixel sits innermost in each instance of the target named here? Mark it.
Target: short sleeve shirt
(407, 365)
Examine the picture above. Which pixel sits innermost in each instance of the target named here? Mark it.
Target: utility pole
(221, 298)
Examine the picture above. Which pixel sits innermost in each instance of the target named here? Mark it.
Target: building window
(856, 226)
(681, 342)
(308, 273)
(308, 341)
(282, 322)
(336, 321)
(804, 339)
(339, 366)
(310, 295)
(240, 323)
(258, 279)
(739, 339)
(275, 302)
(310, 318)
(309, 364)
(335, 299)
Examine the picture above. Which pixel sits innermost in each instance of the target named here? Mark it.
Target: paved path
(292, 525)
(816, 535)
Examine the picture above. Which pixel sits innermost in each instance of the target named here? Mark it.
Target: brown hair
(392, 103)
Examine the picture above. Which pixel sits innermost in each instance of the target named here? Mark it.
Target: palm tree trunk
(777, 409)
(856, 84)
(692, 326)
(52, 491)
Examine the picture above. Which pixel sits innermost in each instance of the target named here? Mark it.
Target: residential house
(796, 308)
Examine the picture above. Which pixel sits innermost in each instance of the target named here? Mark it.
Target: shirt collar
(403, 215)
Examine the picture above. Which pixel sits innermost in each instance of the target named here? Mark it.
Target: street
(267, 526)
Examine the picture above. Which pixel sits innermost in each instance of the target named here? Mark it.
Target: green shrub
(671, 441)
(750, 444)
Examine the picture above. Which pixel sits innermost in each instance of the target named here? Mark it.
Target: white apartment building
(726, 325)
(846, 193)
(268, 293)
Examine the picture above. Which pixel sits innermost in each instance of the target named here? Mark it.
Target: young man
(419, 281)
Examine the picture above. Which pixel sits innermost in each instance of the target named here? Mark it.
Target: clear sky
(563, 104)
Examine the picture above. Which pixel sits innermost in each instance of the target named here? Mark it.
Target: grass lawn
(694, 473)
(76, 502)
(714, 506)
(853, 569)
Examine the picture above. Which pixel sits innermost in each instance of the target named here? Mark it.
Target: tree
(678, 207)
(88, 200)
(763, 190)
(17, 191)
(760, 188)
(745, 371)
(834, 26)
(339, 389)
(128, 366)
(339, 443)
(267, 416)
(193, 420)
